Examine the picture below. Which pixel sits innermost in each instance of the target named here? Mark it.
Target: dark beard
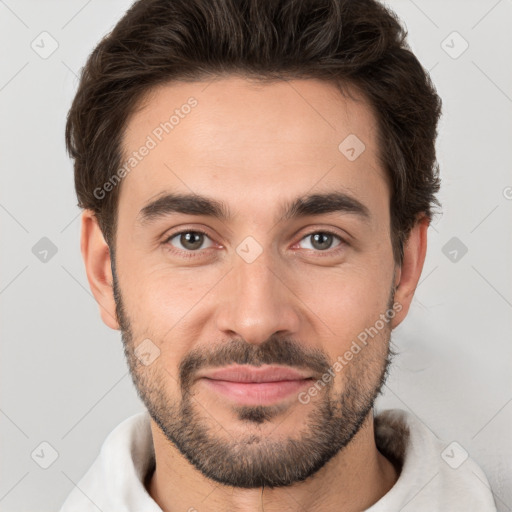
(253, 461)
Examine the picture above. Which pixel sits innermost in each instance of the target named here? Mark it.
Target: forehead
(269, 140)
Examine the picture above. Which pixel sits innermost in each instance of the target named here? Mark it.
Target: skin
(254, 146)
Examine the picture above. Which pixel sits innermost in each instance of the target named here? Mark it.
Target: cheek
(346, 300)
(164, 305)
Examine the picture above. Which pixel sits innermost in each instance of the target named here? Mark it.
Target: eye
(321, 240)
(190, 240)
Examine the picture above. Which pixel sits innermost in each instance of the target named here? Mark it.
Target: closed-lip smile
(255, 385)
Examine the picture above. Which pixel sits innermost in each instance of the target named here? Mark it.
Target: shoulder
(434, 475)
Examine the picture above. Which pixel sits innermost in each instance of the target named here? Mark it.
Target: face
(254, 273)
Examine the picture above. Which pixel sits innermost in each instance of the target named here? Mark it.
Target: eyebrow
(307, 205)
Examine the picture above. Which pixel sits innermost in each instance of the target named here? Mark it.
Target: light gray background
(63, 376)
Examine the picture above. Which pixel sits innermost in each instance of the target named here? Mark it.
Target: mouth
(251, 385)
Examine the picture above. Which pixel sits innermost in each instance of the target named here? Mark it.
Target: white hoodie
(435, 476)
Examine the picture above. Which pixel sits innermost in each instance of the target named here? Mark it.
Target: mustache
(275, 350)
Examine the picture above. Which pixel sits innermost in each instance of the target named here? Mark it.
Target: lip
(251, 385)
(247, 373)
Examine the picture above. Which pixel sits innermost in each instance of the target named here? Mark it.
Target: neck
(357, 477)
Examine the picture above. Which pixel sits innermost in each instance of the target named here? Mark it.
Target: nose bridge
(257, 302)
(257, 282)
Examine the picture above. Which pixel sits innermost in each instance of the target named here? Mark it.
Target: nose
(256, 301)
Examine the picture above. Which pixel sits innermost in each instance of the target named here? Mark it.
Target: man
(257, 181)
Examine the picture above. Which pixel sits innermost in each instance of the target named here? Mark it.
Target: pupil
(322, 240)
(192, 240)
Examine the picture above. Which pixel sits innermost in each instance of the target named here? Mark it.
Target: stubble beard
(254, 460)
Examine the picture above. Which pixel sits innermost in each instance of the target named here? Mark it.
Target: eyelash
(193, 254)
(180, 252)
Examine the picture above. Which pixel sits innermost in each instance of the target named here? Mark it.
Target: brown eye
(321, 240)
(189, 240)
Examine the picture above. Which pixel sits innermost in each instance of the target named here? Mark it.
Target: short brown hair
(359, 43)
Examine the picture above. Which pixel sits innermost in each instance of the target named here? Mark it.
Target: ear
(96, 255)
(408, 274)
